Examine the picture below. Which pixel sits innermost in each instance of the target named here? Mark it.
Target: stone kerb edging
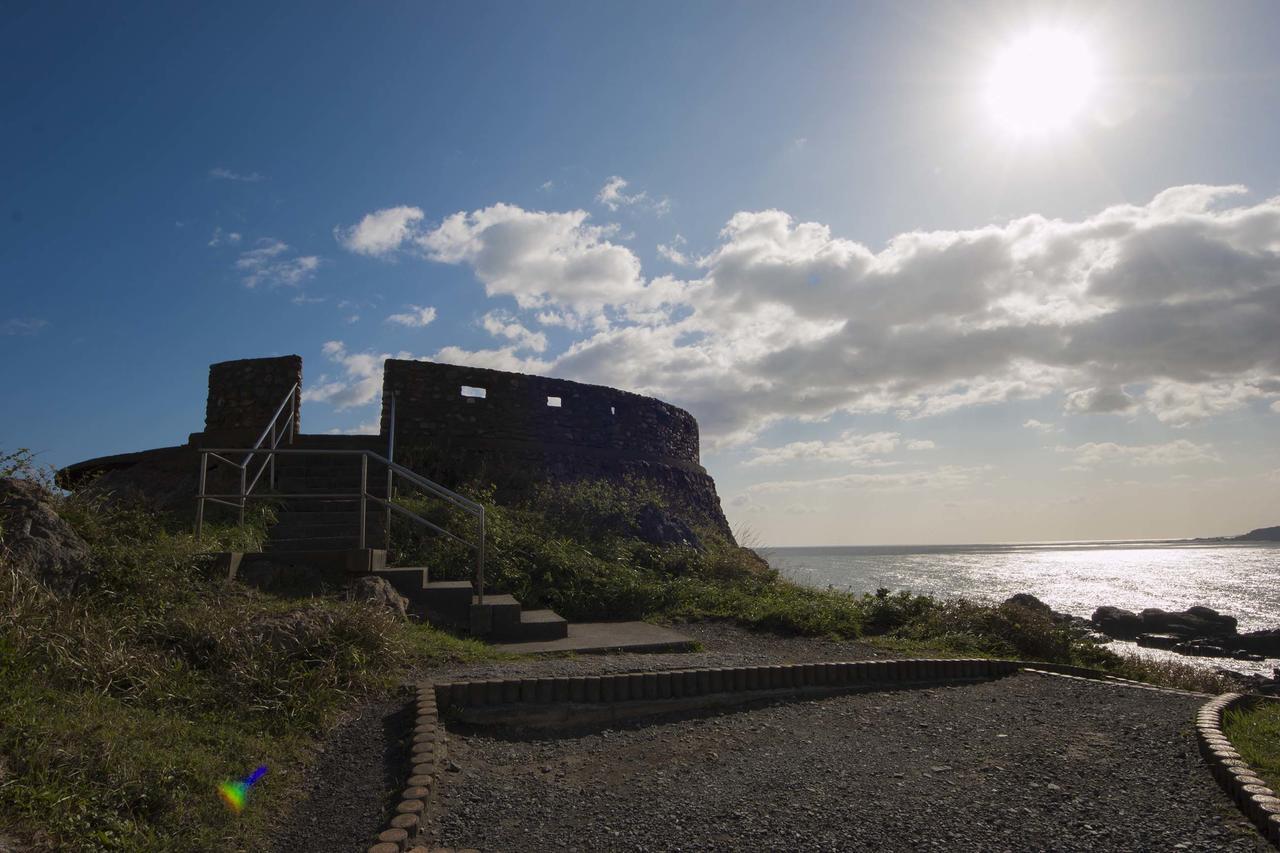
(406, 829)
(587, 699)
(1239, 780)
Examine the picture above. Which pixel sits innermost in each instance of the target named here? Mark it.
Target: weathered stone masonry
(530, 429)
(510, 437)
(244, 394)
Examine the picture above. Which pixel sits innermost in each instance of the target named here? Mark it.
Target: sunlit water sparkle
(1242, 579)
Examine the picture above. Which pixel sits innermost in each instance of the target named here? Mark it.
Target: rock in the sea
(37, 539)
(1188, 624)
(1260, 642)
(1158, 641)
(379, 591)
(1117, 623)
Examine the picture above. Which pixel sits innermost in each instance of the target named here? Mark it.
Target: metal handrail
(290, 400)
(393, 470)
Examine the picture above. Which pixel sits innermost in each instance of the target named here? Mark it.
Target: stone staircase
(323, 531)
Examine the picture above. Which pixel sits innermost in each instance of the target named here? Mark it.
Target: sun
(1041, 82)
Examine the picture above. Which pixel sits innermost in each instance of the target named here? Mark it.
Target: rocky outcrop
(1197, 631)
(1028, 601)
(1192, 623)
(380, 592)
(1117, 623)
(660, 528)
(36, 540)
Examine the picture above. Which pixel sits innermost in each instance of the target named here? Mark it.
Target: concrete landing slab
(603, 637)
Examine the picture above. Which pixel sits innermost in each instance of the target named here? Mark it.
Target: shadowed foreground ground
(1028, 762)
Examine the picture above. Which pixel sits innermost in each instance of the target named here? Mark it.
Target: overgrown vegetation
(124, 703)
(578, 549)
(1255, 733)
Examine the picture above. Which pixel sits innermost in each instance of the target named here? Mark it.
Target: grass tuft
(1255, 733)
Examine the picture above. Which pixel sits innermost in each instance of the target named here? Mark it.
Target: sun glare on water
(1041, 82)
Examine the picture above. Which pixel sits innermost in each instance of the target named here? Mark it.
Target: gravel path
(722, 645)
(348, 793)
(1026, 762)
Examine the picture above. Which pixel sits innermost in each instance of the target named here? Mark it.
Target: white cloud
(23, 326)
(547, 186)
(361, 383)
(503, 325)
(1167, 308)
(790, 321)
(372, 427)
(1040, 426)
(1180, 452)
(942, 477)
(850, 447)
(921, 444)
(612, 196)
(415, 318)
(539, 258)
(230, 238)
(269, 264)
(673, 253)
(379, 233)
(222, 174)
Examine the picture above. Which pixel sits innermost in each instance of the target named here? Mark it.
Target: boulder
(36, 538)
(1194, 622)
(1260, 642)
(1030, 602)
(1117, 623)
(379, 591)
(1157, 641)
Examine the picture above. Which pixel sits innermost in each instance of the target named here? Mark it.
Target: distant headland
(1261, 534)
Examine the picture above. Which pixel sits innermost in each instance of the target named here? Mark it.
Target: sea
(1238, 578)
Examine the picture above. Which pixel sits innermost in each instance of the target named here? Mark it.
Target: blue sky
(895, 320)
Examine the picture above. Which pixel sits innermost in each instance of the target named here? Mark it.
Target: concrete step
(347, 527)
(499, 615)
(409, 581)
(315, 543)
(349, 516)
(350, 505)
(538, 625)
(349, 559)
(448, 602)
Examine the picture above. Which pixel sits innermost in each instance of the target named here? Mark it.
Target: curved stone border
(406, 830)
(595, 699)
(1239, 780)
(1086, 674)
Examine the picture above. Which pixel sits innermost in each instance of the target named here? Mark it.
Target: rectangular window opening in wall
(612, 410)
(468, 391)
(553, 401)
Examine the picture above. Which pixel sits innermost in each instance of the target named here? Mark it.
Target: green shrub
(123, 705)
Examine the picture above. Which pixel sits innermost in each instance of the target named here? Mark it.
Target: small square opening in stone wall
(468, 391)
(612, 410)
(554, 402)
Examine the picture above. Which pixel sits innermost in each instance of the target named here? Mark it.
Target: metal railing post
(480, 561)
(391, 457)
(364, 490)
(244, 470)
(271, 460)
(204, 467)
